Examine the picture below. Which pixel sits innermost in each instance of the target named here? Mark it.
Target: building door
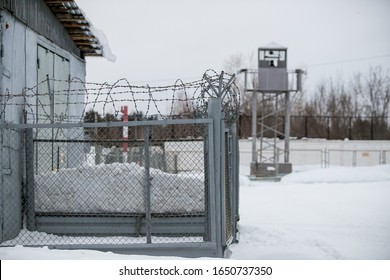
(51, 107)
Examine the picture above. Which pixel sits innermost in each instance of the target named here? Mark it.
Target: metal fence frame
(221, 161)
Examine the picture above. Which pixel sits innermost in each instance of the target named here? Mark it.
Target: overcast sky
(159, 41)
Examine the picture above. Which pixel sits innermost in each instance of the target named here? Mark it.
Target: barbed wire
(57, 101)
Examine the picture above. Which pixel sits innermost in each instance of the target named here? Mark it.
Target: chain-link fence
(69, 183)
(328, 127)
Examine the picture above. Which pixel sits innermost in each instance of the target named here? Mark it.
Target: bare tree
(337, 109)
(373, 92)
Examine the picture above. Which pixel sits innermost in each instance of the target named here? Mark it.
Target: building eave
(77, 25)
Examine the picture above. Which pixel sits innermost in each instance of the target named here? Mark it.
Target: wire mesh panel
(95, 189)
(179, 195)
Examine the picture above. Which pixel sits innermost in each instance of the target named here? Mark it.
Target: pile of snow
(117, 188)
(340, 175)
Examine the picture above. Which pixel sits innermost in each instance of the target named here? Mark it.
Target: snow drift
(117, 188)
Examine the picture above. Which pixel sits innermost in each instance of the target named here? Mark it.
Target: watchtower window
(272, 58)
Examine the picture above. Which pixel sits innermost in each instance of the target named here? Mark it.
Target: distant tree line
(358, 109)
(337, 109)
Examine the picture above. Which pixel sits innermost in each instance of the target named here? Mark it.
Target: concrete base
(266, 170)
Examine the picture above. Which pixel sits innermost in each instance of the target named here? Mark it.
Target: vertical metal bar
(215, 113)
(1, 56)
(306, 133)
(30, 202)
(287, 119)
(262, 114)
(207, 181)
(58, 157)
(254, 126)
(36, 143)
(96, 145)
(382, 156)
(148, 215)
(211, 199)
(327, 158)
(2, 112)
(235, 181)
(227, 217)
(276, 131)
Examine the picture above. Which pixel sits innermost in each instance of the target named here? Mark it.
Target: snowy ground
(332, 213)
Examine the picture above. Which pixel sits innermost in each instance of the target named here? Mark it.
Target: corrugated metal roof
(77, 26)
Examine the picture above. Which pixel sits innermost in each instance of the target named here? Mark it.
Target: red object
(124, 110)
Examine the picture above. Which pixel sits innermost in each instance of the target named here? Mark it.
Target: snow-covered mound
(117, 188)
(378, 173)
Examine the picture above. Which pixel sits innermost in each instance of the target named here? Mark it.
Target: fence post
(254, 126)
(30, 202)
(2, 112)
(306, 127)
(148, 216)
(287, 124)
(217, 191)
(354, 158)
(208, 162)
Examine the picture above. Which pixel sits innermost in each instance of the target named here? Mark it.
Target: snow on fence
(83, 170)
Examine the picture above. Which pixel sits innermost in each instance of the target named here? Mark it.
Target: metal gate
(163, 186)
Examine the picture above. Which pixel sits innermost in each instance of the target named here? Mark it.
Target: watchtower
(271, 110)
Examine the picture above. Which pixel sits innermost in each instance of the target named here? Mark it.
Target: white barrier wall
(326, 153)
